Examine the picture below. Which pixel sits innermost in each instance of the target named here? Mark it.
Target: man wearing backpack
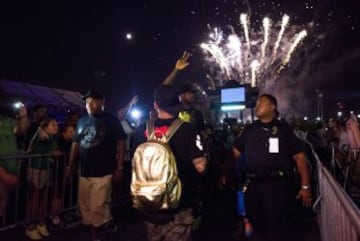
(173, 221)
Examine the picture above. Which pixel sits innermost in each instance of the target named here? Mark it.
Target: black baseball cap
(94, 94)
(186, 88)
(167, 99)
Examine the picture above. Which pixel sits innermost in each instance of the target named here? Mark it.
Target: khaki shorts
(94, 200)
(178, 229)
(38, 177)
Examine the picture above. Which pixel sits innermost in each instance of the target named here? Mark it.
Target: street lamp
(320, 104)
(321, 100)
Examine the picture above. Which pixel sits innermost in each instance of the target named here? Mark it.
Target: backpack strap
(173, 128)
(150, 126)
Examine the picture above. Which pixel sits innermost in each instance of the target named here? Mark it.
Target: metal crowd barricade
(339, 162)
(348, 165)
(51, 181)
(353, 171)
(339, 217)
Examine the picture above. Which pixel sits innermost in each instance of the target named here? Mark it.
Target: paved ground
(132, 229)
(220, 228)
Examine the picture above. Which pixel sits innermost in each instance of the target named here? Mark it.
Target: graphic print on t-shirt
(199, 143)
(159, 131)
(92, 134)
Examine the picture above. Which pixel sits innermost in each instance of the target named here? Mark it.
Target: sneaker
(33, 234)
(43, 230)
(56, 221)
(55, 224)
(110, 227)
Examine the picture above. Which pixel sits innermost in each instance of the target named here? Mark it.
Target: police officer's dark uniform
(269, 170)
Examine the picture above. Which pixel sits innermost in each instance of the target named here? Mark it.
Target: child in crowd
(43, 142)
(64, 146)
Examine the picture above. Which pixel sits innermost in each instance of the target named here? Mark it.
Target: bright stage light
(135, 114)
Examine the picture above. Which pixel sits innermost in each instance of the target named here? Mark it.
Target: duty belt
(272, 175)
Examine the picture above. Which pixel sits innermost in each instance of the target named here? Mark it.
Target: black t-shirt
(254, 143)
(186, 146)
(64, 145)
(194, 116)
(24, 142)
(97, 136)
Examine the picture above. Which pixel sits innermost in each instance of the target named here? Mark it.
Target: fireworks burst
(254, 57)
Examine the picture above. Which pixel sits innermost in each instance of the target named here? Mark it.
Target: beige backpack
(155, 184)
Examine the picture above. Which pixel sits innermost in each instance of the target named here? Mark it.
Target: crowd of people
(264, 162)
(43, 140)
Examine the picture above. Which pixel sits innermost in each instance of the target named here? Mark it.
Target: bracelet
(305, 187)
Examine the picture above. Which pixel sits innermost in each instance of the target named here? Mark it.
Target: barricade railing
(339, 217)
(37, 173)
(48, 175)
(347, 164)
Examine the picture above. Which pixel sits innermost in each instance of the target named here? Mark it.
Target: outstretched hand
(134, 100)
(182, 63)
(124, 111)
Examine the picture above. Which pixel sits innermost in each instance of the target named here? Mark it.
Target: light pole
(320, 104)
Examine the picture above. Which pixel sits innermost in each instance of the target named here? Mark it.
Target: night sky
(78, 45)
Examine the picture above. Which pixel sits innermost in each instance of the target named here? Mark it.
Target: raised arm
(23, 122)
(124, 111)
(180, 65)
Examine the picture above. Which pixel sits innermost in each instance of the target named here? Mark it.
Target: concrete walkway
(132, 229)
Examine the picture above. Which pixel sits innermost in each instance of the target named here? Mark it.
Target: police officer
(273, 155)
